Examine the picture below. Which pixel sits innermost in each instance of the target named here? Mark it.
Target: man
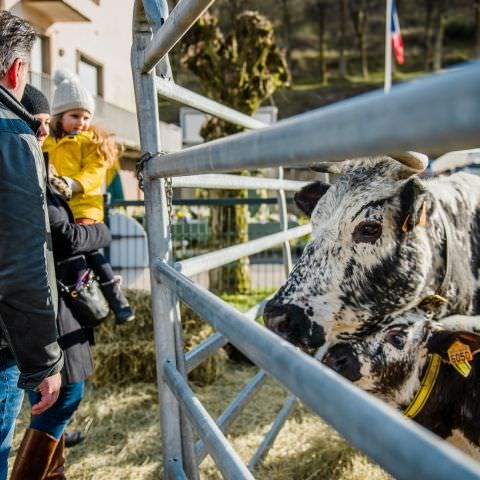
(28, 295)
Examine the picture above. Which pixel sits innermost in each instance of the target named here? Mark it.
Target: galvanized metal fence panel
(438, 112)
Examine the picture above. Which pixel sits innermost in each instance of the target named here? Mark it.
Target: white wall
(105, 39)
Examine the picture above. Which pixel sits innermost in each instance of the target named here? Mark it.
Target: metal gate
(439, 112)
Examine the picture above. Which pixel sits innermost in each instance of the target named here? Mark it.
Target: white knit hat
(70, 94)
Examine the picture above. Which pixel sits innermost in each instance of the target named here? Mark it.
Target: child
(81, 155)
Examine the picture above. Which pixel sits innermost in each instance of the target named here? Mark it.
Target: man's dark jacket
(28, 296)
(70, 241)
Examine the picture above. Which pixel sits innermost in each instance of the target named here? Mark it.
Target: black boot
(117, 301)
(73, 438)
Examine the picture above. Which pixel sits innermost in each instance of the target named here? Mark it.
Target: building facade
(93, 39)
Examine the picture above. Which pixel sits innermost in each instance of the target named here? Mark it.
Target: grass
(244, 302)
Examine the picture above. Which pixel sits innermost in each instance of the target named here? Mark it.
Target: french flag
(397, 41)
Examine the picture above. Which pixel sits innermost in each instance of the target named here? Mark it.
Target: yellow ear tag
(459, 355)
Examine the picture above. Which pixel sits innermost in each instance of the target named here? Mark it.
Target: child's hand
(61, 185)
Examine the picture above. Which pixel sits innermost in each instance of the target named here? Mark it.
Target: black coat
(69, 241)
(27, 281)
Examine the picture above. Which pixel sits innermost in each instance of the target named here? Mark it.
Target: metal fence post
(157, 13)
(283, 214)
(159, 242)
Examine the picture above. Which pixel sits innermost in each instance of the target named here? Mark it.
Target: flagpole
(388, 47)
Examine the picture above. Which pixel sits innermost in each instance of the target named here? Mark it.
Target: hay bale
(124, 362)
(126, 353)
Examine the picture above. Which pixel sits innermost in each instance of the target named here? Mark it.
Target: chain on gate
(168, 180)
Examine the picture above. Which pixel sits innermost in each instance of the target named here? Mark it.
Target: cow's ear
(439, 342)
(414, 205)
(308, 197)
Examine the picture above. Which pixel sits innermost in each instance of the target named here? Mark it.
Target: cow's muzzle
(290, 322)
(342, 359)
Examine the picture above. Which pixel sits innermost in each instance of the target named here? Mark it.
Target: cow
(410, 364)
(384, 242)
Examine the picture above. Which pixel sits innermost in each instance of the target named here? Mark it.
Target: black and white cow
(393, 362)
(383, 242)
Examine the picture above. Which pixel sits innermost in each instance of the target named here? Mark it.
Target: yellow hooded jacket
(76, 156)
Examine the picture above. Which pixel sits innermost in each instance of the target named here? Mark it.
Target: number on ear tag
(459, 355)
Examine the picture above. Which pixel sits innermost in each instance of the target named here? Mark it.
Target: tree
(322, 8)
(358, 11)
(427, 35)
(435, 15)
(240, 70)
(477, 28)
(318, 10)
(342, 61)
(287, 30)
(441, 12)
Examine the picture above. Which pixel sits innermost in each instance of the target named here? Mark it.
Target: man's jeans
(10, 402)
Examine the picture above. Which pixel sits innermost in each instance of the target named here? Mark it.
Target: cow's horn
(327, 167)
(414, 160)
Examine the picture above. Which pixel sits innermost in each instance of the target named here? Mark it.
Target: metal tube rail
(170, 90)
(175, 470)
(232, 182)
(231, 413)
(201, 201)
(203, 350)
(209, 346)
(225, 457)
(181, 18)
(401, 447)
(211, 260)
(272, 434)
(227, 201)
(370, 124)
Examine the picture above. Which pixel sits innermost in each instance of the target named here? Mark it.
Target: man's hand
(49, 390)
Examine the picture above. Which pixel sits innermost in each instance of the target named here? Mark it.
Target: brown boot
(55, 469)
(34, 456)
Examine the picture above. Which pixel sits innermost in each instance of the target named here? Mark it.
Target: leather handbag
(86, 300)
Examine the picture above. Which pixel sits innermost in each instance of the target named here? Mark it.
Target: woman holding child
(76, 241)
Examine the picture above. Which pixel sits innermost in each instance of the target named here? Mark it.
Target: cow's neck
(452, 404)
(449, 289)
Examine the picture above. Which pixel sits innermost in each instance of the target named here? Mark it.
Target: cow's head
(391, 362)
(368, 256)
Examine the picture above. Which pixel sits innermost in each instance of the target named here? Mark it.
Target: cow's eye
(367, 232)
(396, 338)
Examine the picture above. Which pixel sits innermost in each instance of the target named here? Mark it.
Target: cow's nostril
(342, 359)
(340, 363)
(276, 317)
(278, 323)
(290, 322)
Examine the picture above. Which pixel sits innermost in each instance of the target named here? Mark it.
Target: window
(39, 59)
(40, 66)
(90, 74)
